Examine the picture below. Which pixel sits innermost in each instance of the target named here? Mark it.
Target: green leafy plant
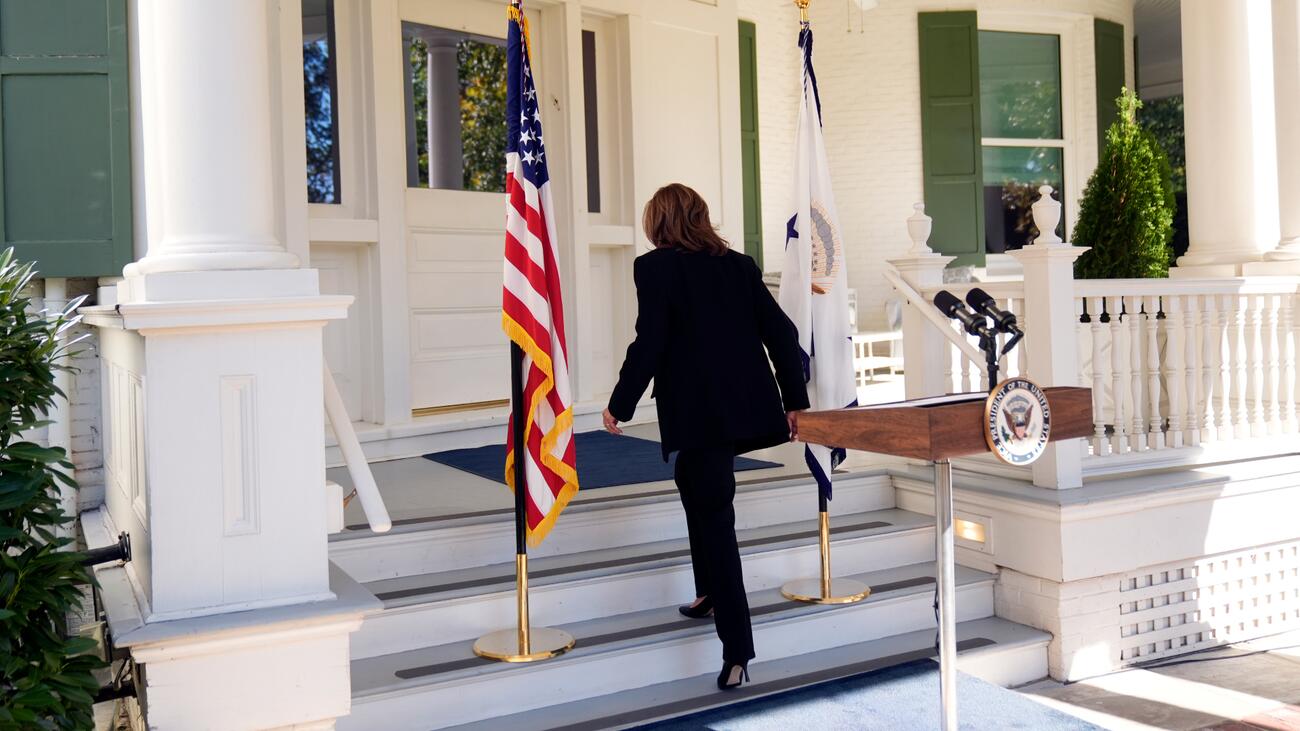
(1127, 212)
(46, 679)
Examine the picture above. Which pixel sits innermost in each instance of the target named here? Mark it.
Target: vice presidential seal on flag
(532, 310)
(814, 279)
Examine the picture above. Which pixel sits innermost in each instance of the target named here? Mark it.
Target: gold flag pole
(823, 589)
(525, 643)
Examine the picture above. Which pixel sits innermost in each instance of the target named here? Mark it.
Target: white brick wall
(87, 455)
(870, 90)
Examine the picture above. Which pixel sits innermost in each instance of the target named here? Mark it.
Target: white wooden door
(459, 355)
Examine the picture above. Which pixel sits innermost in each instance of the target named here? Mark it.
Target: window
(591, 119)
(320, 96)
(1021, 127)
(456, 109)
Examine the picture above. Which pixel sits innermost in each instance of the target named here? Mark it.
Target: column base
(1186, 270)
(1287, 250)
(1272, 267)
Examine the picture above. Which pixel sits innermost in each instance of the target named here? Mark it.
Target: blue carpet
(604, 459)
(902, 697)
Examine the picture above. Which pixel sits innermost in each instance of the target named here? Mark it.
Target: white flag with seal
(814, 278)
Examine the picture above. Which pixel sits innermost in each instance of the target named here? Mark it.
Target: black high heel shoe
(728, 670)
(700, 610)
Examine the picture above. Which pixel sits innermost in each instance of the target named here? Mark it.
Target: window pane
(456, 113)
(1011, 179)
(320, 91)
(1020, 85)
(591, 120)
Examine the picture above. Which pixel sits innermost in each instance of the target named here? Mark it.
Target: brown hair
(677, 217)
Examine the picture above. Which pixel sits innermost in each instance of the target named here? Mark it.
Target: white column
(209, 120)
(1230, 133)
(1286, 84)
(446, 167)
(1050, 331)
(213, 402)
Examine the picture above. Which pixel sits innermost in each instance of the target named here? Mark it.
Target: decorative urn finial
(1047, 214)
(918, 229)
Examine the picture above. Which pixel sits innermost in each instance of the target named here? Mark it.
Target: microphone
(949, 305)
(983, 303)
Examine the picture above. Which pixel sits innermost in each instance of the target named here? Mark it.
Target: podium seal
(1017, 421)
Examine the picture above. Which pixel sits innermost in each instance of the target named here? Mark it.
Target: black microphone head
(977, 298)
(946, 302)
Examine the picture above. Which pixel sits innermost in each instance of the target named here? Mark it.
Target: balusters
(1227, 369)
(1022, 353)
(1255, 365)
(1287, 323)
(1272, 364)
(1192, 369)
(1211, 346)
(1240, 371)
(1155, 429)
(1119, 373)
(1134, 320)
(1174, 355)
(1101, 446)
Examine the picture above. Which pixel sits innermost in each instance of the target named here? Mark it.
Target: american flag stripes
(532, 309)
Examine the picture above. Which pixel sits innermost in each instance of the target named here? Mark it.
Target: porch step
(467, 603)
(447, 543)
(995, 650)
(446, 685)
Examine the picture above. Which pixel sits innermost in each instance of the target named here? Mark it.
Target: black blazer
(701, 327)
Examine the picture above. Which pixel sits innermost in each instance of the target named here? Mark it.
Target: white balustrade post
(1050, 321)
(213, 403)
(1230, 135)
(925, 350)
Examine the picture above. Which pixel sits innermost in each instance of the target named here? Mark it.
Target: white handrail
(355, 459)
(917, 300)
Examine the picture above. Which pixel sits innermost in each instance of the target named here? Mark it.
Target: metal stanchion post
(945, 576)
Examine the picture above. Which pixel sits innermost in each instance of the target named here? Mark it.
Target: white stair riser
(480, 697)
(419, 551)
(402, 628)
(1007, 667)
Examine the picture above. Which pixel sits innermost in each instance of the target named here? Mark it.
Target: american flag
(532, 310)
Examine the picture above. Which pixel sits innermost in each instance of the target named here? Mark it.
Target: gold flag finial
(803, 10)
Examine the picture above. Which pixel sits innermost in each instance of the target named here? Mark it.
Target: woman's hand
(611, 424)
(792, 418)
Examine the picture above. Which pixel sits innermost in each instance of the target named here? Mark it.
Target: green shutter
(749, 174)
(1108, 50)
(65, 175)
(950, 134)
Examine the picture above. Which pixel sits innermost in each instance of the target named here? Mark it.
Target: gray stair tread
(546, 570)
(421, 666)
(644, 494)
(691, 695)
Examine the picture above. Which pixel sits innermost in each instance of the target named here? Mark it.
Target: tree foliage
(1126, 215)
(46, 679)
(481, 75)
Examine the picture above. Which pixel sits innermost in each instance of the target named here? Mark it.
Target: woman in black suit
(704, 317)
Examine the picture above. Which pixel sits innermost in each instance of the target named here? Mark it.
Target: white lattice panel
(1177, 608)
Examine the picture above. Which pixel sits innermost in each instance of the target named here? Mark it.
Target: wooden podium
(937, 430)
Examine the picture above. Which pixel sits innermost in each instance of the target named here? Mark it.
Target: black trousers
(706, 481)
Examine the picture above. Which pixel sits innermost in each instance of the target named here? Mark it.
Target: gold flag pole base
(525, 643)
(825, 590)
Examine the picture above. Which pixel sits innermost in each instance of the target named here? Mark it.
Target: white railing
(363, 481)
(1182, 371)
(1183, 364)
